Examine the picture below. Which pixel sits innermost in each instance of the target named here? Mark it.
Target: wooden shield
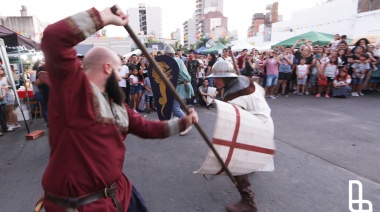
(163, 98)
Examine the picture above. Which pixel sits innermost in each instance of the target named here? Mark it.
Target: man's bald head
(98, 57)
(99, 64)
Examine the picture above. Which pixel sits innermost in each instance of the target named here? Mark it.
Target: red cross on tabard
(233, 144)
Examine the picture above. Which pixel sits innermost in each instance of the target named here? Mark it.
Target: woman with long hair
(329, 69)
(12, 120)
(343, 58)
(249, 66)
(3, 111)
(363, 42)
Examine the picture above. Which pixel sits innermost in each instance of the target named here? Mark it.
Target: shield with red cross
(244, 141)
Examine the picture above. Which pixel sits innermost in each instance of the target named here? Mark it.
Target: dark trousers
(200, 83)
(137, 203)
(193, 98)
(3, 119)
(287, 89)
(128, 93)
(40, 98)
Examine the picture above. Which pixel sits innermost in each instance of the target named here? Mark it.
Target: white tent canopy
(266, 47)
(136, 52)
(240, 45)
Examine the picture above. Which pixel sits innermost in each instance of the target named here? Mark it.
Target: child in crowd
(341, 84)
(302, 70)
(134, 90)
(330, 70)
(316, 65)
(140, 105)
(149, 99)
(358, 73)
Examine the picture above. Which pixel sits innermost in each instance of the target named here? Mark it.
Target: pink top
(272, 66)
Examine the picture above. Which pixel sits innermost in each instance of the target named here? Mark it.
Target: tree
(202, 42)
(224, 40)
(176, 45)
(194, 46)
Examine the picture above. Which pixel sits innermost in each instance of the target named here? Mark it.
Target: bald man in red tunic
(89, 121)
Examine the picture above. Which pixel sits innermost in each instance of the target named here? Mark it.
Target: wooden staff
(233, 61)
(176, 95)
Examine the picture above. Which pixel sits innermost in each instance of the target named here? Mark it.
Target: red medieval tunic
(87, 149)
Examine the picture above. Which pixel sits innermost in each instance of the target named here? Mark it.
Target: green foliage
(202, 42)
(224, 41)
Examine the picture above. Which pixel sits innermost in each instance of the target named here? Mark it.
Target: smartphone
(318, 56)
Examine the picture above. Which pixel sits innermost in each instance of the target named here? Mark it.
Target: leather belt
(75, 202)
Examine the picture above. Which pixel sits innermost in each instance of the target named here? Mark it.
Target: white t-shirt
(377, 52)
(4, 82)
(302, 70)
(123, 71)
(135, 79)
(334, 44)
(331, 70)
(336, 82)
(360, 68)
(201, 72)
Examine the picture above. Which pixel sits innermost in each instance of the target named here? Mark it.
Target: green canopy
(318, 38)
(215, 49)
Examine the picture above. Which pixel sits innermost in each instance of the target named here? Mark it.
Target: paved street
(321, 145)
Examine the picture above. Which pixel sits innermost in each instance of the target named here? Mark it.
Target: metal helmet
(222, 69)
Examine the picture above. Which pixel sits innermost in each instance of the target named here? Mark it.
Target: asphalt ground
(321, 145)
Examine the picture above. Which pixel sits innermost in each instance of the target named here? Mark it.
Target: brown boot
(246, 204)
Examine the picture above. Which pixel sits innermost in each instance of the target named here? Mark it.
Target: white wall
(119, 46)
(154, 21)
(133, 19)
(339, 16)
(317, 19)
(367, 23)
(191, 30)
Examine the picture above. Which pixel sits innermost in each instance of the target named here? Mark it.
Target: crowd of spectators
(334, 70)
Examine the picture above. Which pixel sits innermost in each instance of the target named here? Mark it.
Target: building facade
(204, 7)
(347, 17)
(213, 20)
(257, 20)
(28, 26)
(176, 35)
(353, 18)
(146, 20)
(189, 32)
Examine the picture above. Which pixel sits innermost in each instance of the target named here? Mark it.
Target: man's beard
(114, 92)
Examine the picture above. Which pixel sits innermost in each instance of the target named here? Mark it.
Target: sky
(174, 12)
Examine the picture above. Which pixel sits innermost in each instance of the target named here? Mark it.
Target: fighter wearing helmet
(248, 95)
